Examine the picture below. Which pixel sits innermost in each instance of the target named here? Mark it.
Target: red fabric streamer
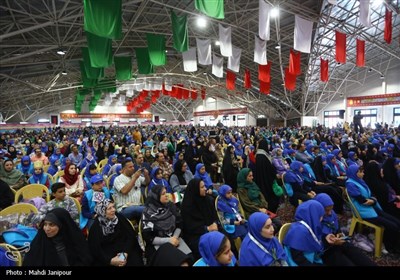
(340, 47)
(360, 55)
(290, 80)
(388, 26)
(230, 80)
(294, 62)
(265, 87)
(324, 70)
(247, 79)
(264, 72)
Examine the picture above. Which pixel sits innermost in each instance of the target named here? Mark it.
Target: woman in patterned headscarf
(112, 239)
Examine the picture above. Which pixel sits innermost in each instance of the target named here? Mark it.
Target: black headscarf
(178, 172)
(390, 174)
(43, 250)
(157, 216)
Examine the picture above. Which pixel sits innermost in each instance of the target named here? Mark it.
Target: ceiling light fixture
(274, 12)
(201, 22)
(370, 70)
(278, 46)
(217, 43)
(382, 77)
(61, 52)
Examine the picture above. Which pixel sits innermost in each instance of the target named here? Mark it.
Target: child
(91, 197)
(60, 200)
(215, 250)
(234, 224)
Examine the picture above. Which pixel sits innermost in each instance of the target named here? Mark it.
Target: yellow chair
(51, 179)
(356, 219)
(31, 191)
(20, 208)
(78, 204)
(101, 165)
(46, 167)
(14, 191)
(58, 175)
(141, 241)
(282, 232)
(237, 240)
(12, 253)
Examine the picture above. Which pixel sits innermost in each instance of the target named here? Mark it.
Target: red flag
(230, 80)
(360, 55)
(264, 72)
(185, 93)
(324, 70)
(340, 47)
(290, 80)
(265, 87)
(193, 93)
(294, 62)
(247, 79)
(203, 93)
(388, 26)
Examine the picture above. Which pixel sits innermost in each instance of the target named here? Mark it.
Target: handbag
(278, 191)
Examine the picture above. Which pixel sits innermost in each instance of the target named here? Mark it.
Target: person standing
(357, 122)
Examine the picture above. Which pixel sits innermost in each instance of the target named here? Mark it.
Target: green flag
(100, 50)
(103, 18)
(180, 32)
(212, 8)
(123, 68)
(156, 46)
(143, 61)
(91, 72)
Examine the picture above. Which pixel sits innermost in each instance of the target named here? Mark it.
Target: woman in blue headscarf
(369, 208)
(295, 178)
(215, 250)
(157, 179)
(26, 166)
(260, 247)
(341, 253)
(303, 241)
(352, 159)
(234, 224)
(202, 174)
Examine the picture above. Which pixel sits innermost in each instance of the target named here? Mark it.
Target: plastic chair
(282, 232)
(356, 219)
(51, 179)
(83, 171)
(46, 167)
(141, 241)
(101, 165)
(78, 204)
(58, 175)
(20, 208)
(31, 191)
(12, 253)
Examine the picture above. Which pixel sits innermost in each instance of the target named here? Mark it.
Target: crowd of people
(193, 191)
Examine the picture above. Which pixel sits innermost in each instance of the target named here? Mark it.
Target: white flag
(218, 66)
(263, 19)
(189, 60)
(260, 51)
(204, 51)
(225, 40)
(333, 2)
(168, 84)
(234, 60)
(365, 13)
(302, 34)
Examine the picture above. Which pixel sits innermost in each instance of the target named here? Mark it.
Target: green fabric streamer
(123, 68)
(156, 46)
(212, 8)
(180, 32)
(91, 72)
(143, 61)
(100, 50)
(87, 83)
(103, 18)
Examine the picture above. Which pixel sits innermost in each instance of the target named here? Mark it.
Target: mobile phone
(121, 256)
(346, 237)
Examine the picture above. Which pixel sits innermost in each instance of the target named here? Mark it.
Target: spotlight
(278, 46)
(64, 73)
(217, 43)
(61, 52)
(382, 77)
(338, 63)
(370, 70)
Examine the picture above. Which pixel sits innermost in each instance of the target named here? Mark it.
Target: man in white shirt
(128, 197)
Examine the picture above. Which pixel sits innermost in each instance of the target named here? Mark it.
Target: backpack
(19, 235)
